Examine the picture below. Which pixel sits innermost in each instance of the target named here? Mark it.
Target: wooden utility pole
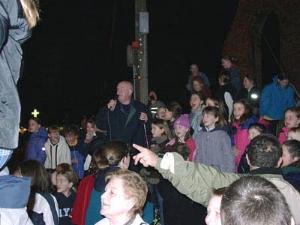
(140, 67)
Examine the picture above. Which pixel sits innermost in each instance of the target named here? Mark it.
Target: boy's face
(291, 120)
(53, 136)
(209, 119)
(213, 211)
(287, 159)
(252, 133)
(62, 184)
(71, 138)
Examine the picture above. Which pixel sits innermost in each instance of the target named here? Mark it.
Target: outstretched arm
(192, 179)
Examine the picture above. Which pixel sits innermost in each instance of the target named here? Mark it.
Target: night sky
(77, 53)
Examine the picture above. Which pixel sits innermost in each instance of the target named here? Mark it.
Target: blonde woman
(124, 198)
(17, 18)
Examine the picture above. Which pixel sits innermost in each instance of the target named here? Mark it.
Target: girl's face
(156, 131)
(226, 63)
(287, 159)
(114, 201)
(197, 86)
(62, 184)
(209, 102)
(161, 113)
(33, 126)
(209, 120)
(252, 133)
(90, 128)
(293, 136)
(291, 120)
(168, 115)
(238, 110)
(214, 211)
(180, 131)
(195, 102)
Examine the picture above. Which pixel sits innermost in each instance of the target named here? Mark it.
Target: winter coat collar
(266, 170)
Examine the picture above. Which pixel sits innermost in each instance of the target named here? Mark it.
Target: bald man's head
(124, 92)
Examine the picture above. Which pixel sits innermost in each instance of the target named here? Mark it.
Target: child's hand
(236, 151)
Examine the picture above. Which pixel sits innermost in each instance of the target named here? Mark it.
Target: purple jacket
(35, 147)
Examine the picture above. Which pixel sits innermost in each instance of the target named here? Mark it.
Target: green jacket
(197, 181)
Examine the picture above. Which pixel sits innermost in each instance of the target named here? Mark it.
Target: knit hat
(183, 120)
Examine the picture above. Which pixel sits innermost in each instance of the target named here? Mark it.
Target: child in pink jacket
(242, 119)
(291, 120)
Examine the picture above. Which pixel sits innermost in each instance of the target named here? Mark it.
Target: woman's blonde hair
(31, 11)
(134, 186)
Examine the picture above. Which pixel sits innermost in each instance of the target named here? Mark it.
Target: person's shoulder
(139, 221)
(104, 221)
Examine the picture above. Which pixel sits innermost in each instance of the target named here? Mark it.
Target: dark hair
(258, 126)
(247, 113)
(180, 148)
(38, 174)
(53, 128)
(264, 151)
(175, 108)
(216, 112)
(230, 58)
(250, 77)
(72, 129)
(219, 191)
(110, 154)
(92, 121)
(39, 179)
(200, 95)
(254, 200)
(36, 119)
(295, 110)
(282, 76)
(293, 147)
(224, 76)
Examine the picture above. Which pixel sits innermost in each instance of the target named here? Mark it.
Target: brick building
(265, 37)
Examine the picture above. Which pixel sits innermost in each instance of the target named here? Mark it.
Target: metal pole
(141, 78)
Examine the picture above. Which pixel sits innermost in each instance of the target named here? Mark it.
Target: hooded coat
(36, 146)
(276, 99)
(14, 31)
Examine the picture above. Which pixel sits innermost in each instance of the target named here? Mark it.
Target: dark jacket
(13, 32)
(36, 146)
(123, 124)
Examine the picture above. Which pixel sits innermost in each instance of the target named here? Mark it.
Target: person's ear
(70, 184)
(279, 163)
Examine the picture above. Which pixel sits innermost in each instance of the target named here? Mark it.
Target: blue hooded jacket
(276, 99)
(35, 149)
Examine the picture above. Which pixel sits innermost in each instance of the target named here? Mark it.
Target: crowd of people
(155, 164)
(234, 158)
